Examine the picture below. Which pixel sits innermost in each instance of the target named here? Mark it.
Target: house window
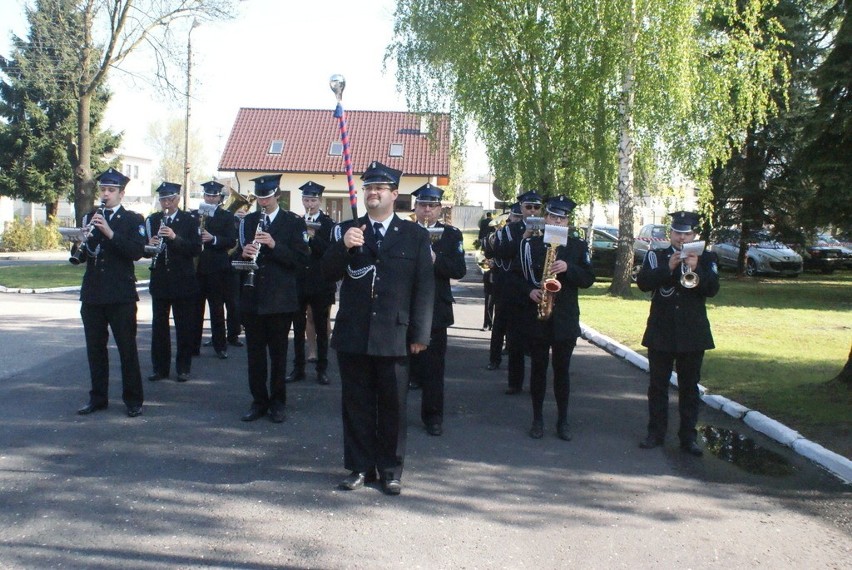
(276, 147)
(335, 148)
(395, 150)
(135, 171)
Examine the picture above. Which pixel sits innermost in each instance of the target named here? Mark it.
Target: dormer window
(396, 150)
(335, 148)
(276, 147)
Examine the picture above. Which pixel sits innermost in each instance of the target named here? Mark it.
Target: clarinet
(160, 247)
(251, 264)
(86, 233)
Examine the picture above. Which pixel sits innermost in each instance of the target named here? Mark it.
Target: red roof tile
(307, 135)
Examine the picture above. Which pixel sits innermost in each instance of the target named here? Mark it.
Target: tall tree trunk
(620, 285)
(751, 211)
(845, 376)
(84, 183)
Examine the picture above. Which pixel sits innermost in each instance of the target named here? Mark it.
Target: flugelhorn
(81, 235)
(688, 278)
(435, 234)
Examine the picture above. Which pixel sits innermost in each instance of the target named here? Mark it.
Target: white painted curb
(834, 463)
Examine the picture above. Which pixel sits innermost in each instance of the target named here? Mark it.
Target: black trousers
(498, 332)
(183, 309)
(540, 351)
(121, 318)
(515, 344)
(214, 290)
(374, 391)
(320, 309)
(427, 369)
(266, 335)
(688, 365)
(232, 303)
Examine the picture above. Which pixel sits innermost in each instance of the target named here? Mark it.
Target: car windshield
(765, 241)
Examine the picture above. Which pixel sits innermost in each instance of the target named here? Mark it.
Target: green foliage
(22, 235)
(60, 274)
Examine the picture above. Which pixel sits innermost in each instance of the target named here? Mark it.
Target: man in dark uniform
(485, 228)
(277, 241)
(497, 276)
(427, 367)
(552, 324)
(678, 331)
(316, 292)
(506, 249)
(173, 286)
(218, 236)
(108, 294)
(386, 300)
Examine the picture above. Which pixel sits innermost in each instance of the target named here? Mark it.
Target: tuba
(236, 201)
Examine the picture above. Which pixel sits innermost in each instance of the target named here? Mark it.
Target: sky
(274, 54)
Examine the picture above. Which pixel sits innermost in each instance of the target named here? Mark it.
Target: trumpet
(435, 234)
(535, 224)
(251, 265)
(688, 278)
(81, 236)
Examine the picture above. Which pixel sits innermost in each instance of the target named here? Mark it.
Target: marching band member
(218, 236)
(427, 367)
(549, 320)
(386, 301)
(173, 286)
(497, 277)
(277, 242)
(108, 294)
(678, 332)
(316, 293)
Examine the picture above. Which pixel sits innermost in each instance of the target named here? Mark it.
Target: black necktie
(107, 214)
(377, 229)
(266, 222)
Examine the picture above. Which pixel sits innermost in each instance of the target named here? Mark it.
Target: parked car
(651, 236)
(764, 256)
(822, 258)
(845, 249)
(612, 230)
(604, 251)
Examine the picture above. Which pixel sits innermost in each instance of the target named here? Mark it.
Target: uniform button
(374, 314)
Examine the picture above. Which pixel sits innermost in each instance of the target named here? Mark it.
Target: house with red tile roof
(304, 144)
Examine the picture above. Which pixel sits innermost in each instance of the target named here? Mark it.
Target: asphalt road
(188, 485)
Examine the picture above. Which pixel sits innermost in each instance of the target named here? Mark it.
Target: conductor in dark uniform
(278, 243)
(506, 249)
(386, 303)
(317, 293)
(108, 294)
(218, 236)
(427, 367)
(173, 286)
(678, 331)
(550, 320)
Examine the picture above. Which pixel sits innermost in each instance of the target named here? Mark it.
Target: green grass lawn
(778, 343)
(61, 274)
(469, 237)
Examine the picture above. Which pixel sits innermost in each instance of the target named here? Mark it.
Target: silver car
(765, 256)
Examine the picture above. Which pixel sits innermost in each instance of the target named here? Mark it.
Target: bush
(21, 235)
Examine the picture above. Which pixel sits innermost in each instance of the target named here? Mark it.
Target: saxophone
(550, 285)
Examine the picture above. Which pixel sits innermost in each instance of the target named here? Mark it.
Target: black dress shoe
(651, 441)
(209, 343)
(391, 485)
(155, 377)
(222, 355)
(434, 429)
(493, 365)
(182, 376)
(537, 430)
(133, 411)
(295, 376)
(355, 480)
(253, 414)
(91, 408)
(235, 342)
(691, 448)
(413, 385)
(277, 415)
(512, 391)
(563, 431)
(322, 377)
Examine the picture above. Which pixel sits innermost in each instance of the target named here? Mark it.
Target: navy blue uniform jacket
(390, 306)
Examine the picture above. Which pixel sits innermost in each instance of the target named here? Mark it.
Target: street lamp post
(195, 24)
